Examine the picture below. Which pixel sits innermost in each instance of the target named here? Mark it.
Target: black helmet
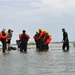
(63, 29)
(23, 31)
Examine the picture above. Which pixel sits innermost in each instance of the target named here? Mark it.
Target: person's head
(40, 29)
(3, 29)
(10, 30)
(36, 32)
(63, 29)
(24, 31)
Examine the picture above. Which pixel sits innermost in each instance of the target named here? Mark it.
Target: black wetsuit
(46, 47)
(37, 43)
(41, 42)
(66, 41)
(3, 42)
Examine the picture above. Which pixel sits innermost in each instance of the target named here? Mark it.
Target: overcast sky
(51, 15)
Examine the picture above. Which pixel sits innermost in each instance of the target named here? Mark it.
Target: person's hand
(62, 41)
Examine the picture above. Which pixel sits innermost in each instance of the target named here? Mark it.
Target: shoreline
(51, 45)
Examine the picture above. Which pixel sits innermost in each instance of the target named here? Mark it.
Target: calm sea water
(53, 62)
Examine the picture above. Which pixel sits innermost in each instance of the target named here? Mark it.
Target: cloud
(21, 4)
(58, 6)
(66, 6)
(32, 14)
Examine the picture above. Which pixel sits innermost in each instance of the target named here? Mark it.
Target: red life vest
(48, 40)
(40, 36)
(3, 37)
(20, 36)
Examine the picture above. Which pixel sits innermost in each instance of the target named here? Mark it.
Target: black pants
(4, 45)
(65, 45)
(37, 45)
(46, 47)
(23, 46)
(41, 45)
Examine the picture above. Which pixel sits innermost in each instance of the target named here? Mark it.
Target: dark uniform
(36, 41)
(41, 41)
(65, 41)
(3, 41)
(46, 47)
(24, 40)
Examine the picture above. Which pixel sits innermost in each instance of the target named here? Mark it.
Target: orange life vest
(20, 36)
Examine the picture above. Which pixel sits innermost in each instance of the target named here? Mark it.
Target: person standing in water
(65, 40)
(8, 41)
(24, 40)
(3, 37)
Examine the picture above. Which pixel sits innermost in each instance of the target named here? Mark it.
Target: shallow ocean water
(52, 62)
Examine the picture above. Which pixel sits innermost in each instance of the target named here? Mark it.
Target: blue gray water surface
(53, 62)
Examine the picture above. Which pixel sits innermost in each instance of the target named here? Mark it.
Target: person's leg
(67, 46)
(42, 45)
(63, 47)
(9, 48)
(37, 45)
(21, 47)
(8, 45)
(25, 47)
(4, 45)
(47, 47)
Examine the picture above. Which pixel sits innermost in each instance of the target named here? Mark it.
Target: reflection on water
(53, 62)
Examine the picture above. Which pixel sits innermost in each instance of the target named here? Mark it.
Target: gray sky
(51, 15)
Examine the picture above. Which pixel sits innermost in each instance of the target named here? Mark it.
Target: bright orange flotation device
(44, 33)
(20, 36)
(0, 34)
(48, 40)
(3, 37)
(41, 34)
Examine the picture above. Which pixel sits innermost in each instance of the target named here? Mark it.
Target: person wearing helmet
(44, 32)
(40, 39)
(9, 38)
(47, 40)
(24, 39)
(65, 40)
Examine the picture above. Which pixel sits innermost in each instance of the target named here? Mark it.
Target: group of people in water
(5, 38)
(42, 39)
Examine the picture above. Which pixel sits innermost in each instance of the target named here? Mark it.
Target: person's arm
(66, 37)
(48, 40)
(40, 36)
(28, 37)
(20, 37)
